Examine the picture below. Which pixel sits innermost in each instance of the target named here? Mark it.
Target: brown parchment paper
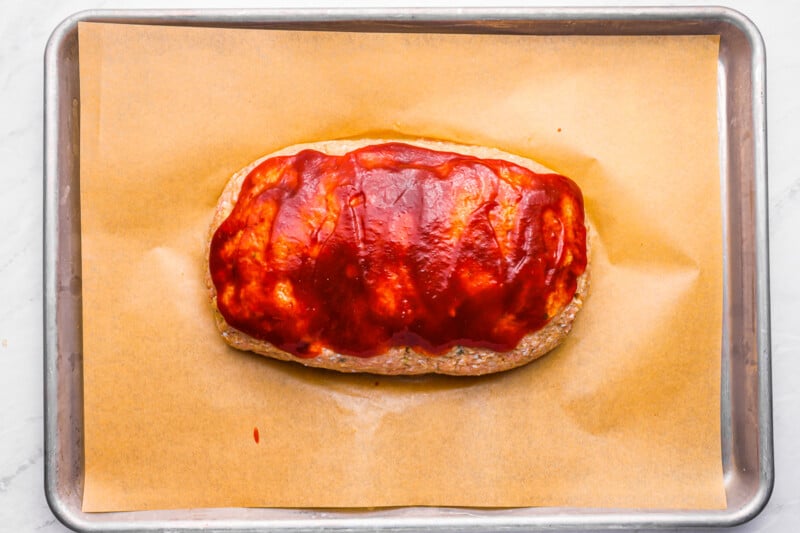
(625, 414)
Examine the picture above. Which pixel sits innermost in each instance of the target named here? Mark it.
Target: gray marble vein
(7, 480)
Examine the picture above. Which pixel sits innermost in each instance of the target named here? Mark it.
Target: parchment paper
(625, 414)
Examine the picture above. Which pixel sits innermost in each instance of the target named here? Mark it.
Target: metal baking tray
(746, 412)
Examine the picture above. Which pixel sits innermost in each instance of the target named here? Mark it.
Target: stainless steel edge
(761, 496)
(52, 144)
(394, 520)
(766, 452)
(255, 17)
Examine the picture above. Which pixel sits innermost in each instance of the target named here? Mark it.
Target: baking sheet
(169, 113)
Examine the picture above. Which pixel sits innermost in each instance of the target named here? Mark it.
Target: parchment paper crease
(625, 414)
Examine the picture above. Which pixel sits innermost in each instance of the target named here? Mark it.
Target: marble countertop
(24, 29)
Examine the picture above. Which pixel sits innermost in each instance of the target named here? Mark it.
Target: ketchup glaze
(397, 245)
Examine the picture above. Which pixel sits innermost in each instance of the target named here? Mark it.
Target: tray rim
(560, 518)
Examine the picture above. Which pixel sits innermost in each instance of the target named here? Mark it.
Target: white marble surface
(24, 29)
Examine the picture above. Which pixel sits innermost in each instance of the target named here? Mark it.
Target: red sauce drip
(396, 245)
(255, 435)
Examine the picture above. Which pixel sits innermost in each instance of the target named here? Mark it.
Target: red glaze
(255, 435)
(396, 245)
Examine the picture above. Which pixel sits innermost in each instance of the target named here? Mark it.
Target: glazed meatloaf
(398, 257)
